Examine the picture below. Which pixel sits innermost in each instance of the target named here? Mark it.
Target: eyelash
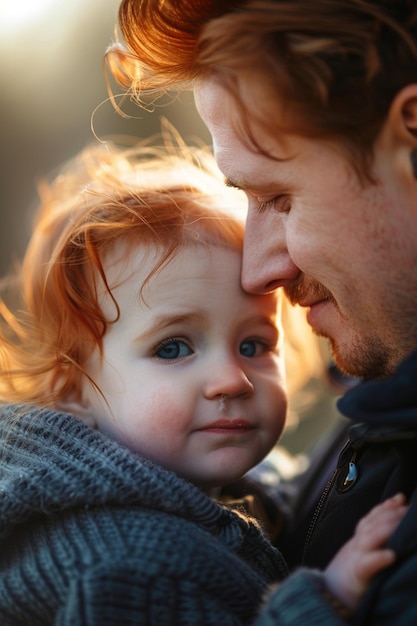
(168, 342)
(261, 347)
(272, 204)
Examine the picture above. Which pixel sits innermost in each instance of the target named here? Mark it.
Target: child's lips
(228, 426)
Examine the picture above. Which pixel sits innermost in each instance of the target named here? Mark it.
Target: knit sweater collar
(51, 462)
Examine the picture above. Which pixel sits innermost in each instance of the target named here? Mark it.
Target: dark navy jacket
(379, 460)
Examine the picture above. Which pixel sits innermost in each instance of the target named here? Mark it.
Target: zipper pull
(348, 471)
(343, 478)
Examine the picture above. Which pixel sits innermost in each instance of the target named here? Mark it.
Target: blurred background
(52, 92)
(53, 102)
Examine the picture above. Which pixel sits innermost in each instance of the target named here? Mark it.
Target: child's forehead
(128, 259)
(193, 266)
(198, 284)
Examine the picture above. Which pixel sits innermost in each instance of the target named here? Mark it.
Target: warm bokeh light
(54, 101)
(18, 16)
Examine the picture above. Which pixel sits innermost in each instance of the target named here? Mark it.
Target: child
(142, 376)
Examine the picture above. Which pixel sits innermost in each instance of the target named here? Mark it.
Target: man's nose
(267, 263)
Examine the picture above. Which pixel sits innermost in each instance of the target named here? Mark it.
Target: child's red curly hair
(171, 197)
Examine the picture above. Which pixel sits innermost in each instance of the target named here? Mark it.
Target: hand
(350, 572)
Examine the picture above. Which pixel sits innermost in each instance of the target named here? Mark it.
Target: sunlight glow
(19, 15)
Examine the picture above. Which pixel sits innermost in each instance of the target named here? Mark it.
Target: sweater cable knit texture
(94, 535)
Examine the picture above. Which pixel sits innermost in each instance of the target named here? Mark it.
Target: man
(312, 107)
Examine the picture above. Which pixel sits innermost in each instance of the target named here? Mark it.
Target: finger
(379, 525)
(390, 503)
(373, 563)
(388, 517)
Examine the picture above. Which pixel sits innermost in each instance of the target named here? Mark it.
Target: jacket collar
(390, 402)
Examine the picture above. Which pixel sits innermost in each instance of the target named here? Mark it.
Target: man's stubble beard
(364, 357)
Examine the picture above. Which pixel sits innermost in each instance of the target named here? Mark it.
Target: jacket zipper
(317, 512)
(312, 526)
(348, 458)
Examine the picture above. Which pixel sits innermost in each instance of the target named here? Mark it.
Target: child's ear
(76, 406)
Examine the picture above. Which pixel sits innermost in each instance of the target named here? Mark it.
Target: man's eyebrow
(231, 183)
(245, 185)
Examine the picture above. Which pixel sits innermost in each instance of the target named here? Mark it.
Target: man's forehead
(218, 112)
(245, 164)
(209, 94)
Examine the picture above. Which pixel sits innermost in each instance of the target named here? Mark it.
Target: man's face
(344, 249)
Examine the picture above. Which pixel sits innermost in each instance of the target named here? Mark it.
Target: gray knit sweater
(93, 535)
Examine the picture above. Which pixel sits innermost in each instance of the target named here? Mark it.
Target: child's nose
(228, 379)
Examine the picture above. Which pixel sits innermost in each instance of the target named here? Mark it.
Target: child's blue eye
(173, 350)
(249, 348)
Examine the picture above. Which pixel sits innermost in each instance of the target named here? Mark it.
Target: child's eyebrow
(163, 322)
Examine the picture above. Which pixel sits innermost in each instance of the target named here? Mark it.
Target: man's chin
(361, 359)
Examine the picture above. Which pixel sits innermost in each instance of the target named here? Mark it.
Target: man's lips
(317, 313)
(310, 302)
(307, 293)
(228, 426)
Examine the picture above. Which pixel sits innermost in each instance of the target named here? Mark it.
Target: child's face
(192, 373)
